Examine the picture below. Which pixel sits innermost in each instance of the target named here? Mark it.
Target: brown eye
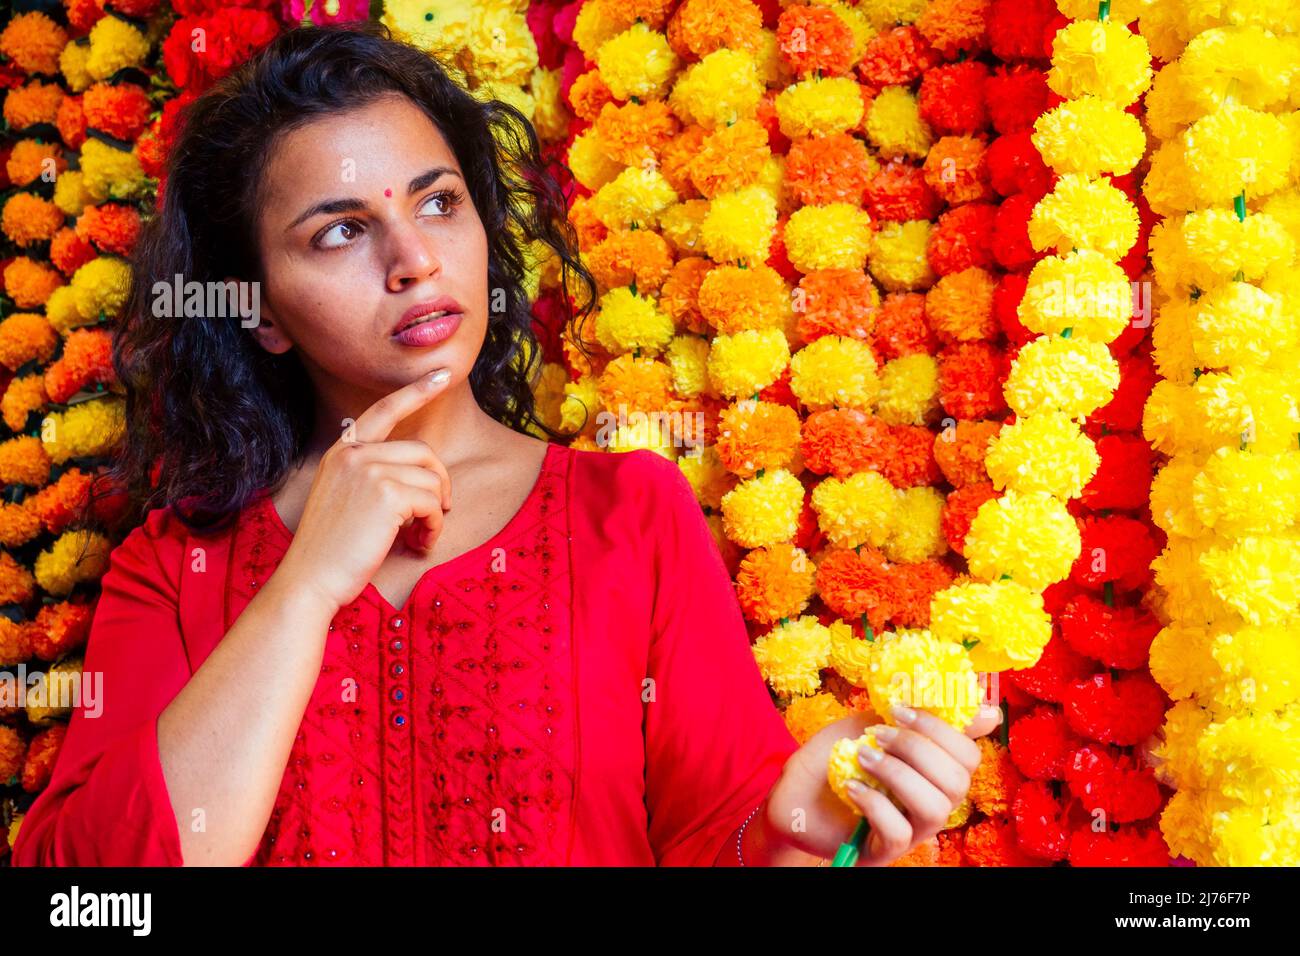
(339, 234)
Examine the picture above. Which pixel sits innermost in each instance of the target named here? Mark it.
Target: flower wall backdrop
(877, 277)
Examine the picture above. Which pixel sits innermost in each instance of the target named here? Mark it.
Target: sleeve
(106, 803)
(715, 742)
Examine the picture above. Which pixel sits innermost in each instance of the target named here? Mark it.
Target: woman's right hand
(365, 492)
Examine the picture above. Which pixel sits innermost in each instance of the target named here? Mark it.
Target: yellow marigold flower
(747, 362)
(894, 125)
(589, 161)
(886, 14)
(500, 45)
(70, 193)
(1101, 58)
(1259, 669)
(680, 225)
(110, 173)
(1243, 834)
(856, 510)
(1030, 538)
(29, 219)
(1168, 106)
(764, 510)
(628, 321)
(634, 198)
(1122, 11)
(1082, 291)
(1252, 405)
(550, 116)
(1237, 149)
(1258, 577)
(708, 477)
(898, 258)
(1254, 757)
(101, 287)
(739, 225)
(772, 178)
(1001, 623)
(637, 62)
(1181, 660)
(86, 429)
(649, 432)
(75, 556)
(834, 236)
(819, 106)
(1241, 64)
(1175, 753)
(845, 766)
(1246, 492)
(722, 88)
(115, 45)
(1171, 340)
(850, 654)
(1172, 509)
(834, 371)
(909, 390)
(1044, 452)
(921, 671)
(64, 314)
(792, 654)
(688, 357)
(1240, 324)
(1089, 136)
(805, 716)
(1218, 244)
(1174, 274)
(1186, 587)
(432, 25)
(72, 64)
(596, 23)
(915, 533)
(1056, 374)
(1082, 213)
(580, 406)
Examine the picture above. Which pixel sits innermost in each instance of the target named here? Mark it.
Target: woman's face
(365, 225)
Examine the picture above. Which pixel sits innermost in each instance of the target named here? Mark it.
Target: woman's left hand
(926, 764)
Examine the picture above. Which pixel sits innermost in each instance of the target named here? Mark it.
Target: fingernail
(856, 787)
(988, 710)
(903, 714)
(870, 755)
(885, 734)
(440, 376)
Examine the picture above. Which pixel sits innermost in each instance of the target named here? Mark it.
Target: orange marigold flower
(901, 327)
(87, 358)
(826, 169)
(836, 302)
(925, 853)
(908, 459)
(57, 504)
(955, 26)
(15, 648)
(34, 103)
(805, 716)
(71, 122)
(28, 160)
(25, 336)
(28, 219)
(960, 451)
(24, 461)
(33, 41)
(897, 57)
(111, 226)
(775, 582)
(634, 133)
(23, 396)
(151, 150)
(917, 584)
(12, 750)
(757, 436)
(960, 306)
(588, 96)
(730, 158)
(815, 40)
(734, 298)
(950, 843)
(41, 754)
(956, 170)
(842, 441)
(120, 110)
(60, 628)
(992, 842)
(29, 283)
(640, 384)
(17, 524)
(590, 230)
(677, 157)
(16, 583)
(959, 511)
(702, 26)
(853, 583)
(69, 252)
(994, 782)
(679, 298)
(631, 256)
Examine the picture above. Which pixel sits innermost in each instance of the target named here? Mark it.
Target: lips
(429, 311)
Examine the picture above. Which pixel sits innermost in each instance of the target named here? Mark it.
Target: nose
(412, 256)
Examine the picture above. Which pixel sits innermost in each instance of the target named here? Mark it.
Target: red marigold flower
(1058, 667)
(1006, 308)
(1011, 245)
(1015, 166)
(962, 238)
(1123, 413)
(69, 252)
(1023, 29)
(60, 628)
(777, 257)
(1123, 479)
(1119, 637)
(901, 327)
(952, 98)
(1038, 815)
(1016, 95)
(1126, 846)
(899, 193)
(768, 118)
(897, 57)
(1116, 550)
(1040, 743)
(82, 14)
(970, 380)
(780, 392)
(1122, 710)
(1114, 782)
(959, 511)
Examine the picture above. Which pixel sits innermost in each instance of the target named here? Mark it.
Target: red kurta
(577, 690)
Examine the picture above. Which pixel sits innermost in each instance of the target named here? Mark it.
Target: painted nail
(885, 734)
(904, 715)
(870, 755)
(856, 787)
(440, 376)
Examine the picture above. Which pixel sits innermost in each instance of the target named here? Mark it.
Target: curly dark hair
(211, 417)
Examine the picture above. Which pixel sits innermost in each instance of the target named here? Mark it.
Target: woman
(368, 618)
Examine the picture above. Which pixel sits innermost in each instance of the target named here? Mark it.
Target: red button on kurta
(579, 689)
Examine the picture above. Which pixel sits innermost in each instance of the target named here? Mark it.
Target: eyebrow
(351, 204)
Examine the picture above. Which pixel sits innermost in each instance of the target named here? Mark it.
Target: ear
(267, 333)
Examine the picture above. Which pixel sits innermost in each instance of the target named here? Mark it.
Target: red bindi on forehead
(388, 192)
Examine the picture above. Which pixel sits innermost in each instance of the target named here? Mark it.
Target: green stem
(1239, 205)
(1103, 10)
(848, 853)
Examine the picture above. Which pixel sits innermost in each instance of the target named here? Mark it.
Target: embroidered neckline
(549, 462)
